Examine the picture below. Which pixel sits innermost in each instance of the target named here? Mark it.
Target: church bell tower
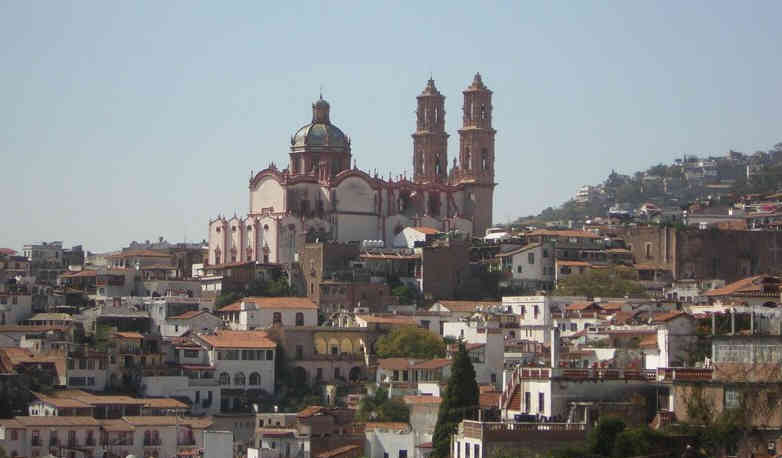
(476, 155)
(430, 141)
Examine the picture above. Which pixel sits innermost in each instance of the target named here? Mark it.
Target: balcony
(36, 442)
(90, 442)
(186, 442)
(72, 443)
(500, 430)
(689, 374)
(203, 382)
(151, 442)
(54, 443)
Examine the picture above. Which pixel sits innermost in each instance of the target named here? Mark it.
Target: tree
(405, 294)
(380, 408)
(460, 401)
(601, 439)
(226, 299)
(410, 342)
(612, 282)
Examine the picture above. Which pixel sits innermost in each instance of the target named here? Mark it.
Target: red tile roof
(490, 399)
(582, 306)
(425, 230)
(744, 286)
(418, 399)
(129, 335)
(668, 316)
(238, 339)
(338, 451)
(188, 315)
(296, 303)
(434, 364)
(396, 363)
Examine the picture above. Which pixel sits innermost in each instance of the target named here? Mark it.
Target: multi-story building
(243, 362)
(321, 193)
(261, 312)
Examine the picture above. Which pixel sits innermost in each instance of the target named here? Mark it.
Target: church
(320, 194)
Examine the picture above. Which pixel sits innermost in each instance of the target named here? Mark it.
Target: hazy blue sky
(130, 120)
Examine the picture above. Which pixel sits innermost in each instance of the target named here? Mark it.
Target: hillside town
(353, 315)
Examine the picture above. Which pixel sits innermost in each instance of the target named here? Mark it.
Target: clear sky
(131, 120)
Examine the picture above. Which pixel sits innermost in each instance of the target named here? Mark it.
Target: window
(527, 401)
(476, 450)
(535, 312)
(484, 159)
(466, 450)
(299, 319)
(458, 449)
(299, 352)
(396, 375)
(541, 402)
(732, 398)
(648, 250)
(191, 353)
(277, 318)
(239, 378)
(225, 379)
(255, 378)
(545, 252)
(573, 326)
(269, 355)
(14, 435)
(337, 373)
(531, 258)
(425, 324)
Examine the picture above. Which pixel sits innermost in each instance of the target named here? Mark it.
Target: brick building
(693, 253)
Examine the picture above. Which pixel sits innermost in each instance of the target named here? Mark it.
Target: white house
(486, 346)
(408, 237)
(262, 312)
(242, 360)
(530, 266)
(389, 440)
(196, 321)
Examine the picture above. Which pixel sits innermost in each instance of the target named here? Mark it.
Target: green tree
(613, 282)
(460, 401)
(226, 298)
(601, 439)
(410, 342)
(405, 294)
(380, 408)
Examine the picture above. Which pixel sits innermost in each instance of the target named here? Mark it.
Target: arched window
(467, 158)
(277, 318)
(483, 111)
(255, 379)
(239, 378)
(485, 159)
(225, 379)
(217, 256)
(299, 319)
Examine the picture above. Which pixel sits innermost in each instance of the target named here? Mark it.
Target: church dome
(320, 132)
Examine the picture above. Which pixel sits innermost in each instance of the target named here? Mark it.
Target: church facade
(319, 193)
